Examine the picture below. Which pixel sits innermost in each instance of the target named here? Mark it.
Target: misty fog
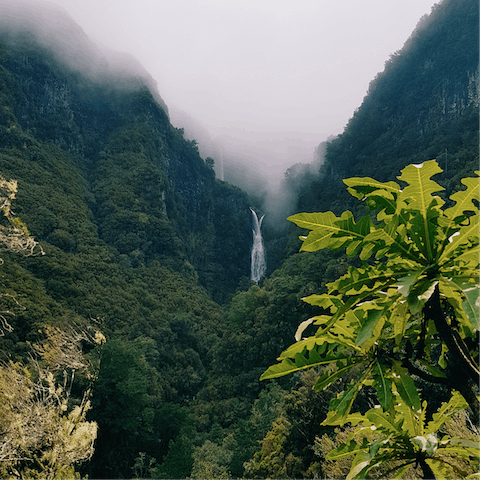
(252, 148)
(51, 27)
(259, 168)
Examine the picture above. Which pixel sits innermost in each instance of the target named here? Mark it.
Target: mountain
(141, 240)
(145, 245)
(423, 105)
(146, 189)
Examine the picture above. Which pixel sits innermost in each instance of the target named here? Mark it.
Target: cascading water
(259, 264)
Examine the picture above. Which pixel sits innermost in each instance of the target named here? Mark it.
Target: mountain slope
(148, 191)
(140, 239)
(424, 105)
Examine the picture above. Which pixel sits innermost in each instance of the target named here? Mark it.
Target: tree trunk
(427, 471)
(464, 372)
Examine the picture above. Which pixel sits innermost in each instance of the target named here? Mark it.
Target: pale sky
(270, 79)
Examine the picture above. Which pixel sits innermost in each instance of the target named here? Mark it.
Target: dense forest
(132, 338)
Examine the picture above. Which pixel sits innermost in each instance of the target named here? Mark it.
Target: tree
(178, 462)
(14, 236)
(409, 313)
(43, 430)
(211, 460)
(272, 461)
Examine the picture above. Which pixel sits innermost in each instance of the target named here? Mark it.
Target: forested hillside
(139, 237)
(139, 315)
(422, 106)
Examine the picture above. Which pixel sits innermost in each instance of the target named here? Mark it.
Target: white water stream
(259, 264)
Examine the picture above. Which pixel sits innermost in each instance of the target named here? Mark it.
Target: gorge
(146, 246)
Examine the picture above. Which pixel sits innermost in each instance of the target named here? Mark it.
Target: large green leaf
(407, 390)
(378, 195)
(418, 196)
(424, 231)
(343, 332)
(467, 234)
(361, 187)
(302, 345)
(361, 464)
(391, 240)
(399, 319)
(419, 294)
(365, 460)
(368, 278)
(471, 305)
(369, 330)
(342, 310)
(456, 403)
(329, 231)
(464, 200)
(405, 283)
(461, 212)
(463, 295)
(300, 361)
(331, 302)
(341, 405)
(341, 369)
(382, 383)
(418, 193)
(346, 450)
(411, 419)
(383, 421)
(463, 261)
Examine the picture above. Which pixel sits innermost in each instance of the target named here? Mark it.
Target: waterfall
(259, 264)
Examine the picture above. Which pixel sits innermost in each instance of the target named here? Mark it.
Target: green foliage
(381, 446)
(272, 461)
(103, 197)
(14, 235)
(426, 264)
(285, 448)
(178, 462)
(124, 401)
(44, 432)
(210, 162)
(249, 432)
(211, 460)
(406, 438)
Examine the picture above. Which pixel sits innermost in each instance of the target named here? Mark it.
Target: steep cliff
(147, 191)
(141, 239)
(139, 236)
(423, 105)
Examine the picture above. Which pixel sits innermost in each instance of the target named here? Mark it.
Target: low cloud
(27, 23)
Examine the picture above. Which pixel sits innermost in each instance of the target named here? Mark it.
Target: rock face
(434, 77)
(423, 105)
(149, 193)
